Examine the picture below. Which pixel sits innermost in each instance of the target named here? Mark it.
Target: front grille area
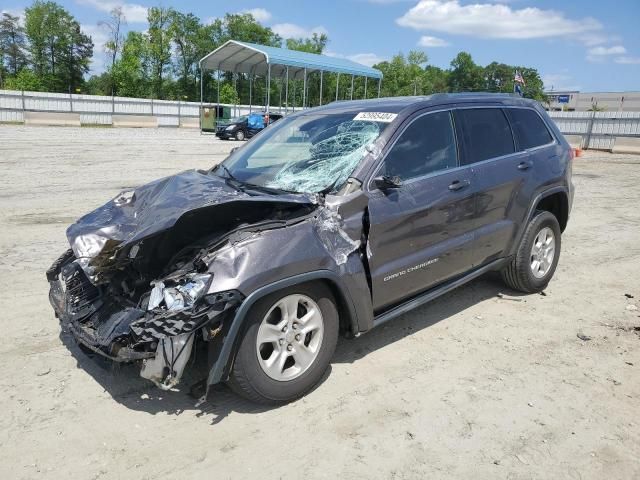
(81, 294)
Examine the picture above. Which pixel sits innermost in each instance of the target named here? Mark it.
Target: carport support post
(351, 87)
(218, 107)
(235, 87)
(286, 93)
(365, 87)
(337, 84)
(304, 89)
(320, 88)
(201, 92)
(268, 88)
(250, 82)
(379, 86)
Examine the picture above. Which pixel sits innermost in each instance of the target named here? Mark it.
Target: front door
(421, 232)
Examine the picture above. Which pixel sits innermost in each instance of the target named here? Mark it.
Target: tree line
(49, 51)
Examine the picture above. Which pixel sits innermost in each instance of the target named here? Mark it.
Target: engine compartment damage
(161, 270)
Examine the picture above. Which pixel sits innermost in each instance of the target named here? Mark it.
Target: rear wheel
(287, 346)
(537, 257)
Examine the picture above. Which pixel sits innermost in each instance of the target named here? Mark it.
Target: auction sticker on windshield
(385, 117)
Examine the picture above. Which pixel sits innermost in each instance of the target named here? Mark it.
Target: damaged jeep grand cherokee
(334, 220)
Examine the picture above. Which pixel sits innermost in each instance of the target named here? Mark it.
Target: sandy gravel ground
(470, 386)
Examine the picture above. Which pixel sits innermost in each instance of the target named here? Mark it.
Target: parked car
(246, 126)
(333, 221)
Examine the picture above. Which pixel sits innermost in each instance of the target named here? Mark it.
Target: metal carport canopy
(244, 57)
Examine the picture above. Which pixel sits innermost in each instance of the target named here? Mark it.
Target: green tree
(315, 44)
(243, 27)
(25, 80)
(228, 94)
(60, 51)
(113, 26)
(159, 36)
(435, 80)
(131, 72)
(75, 61)
(13, 53)
(465, 75)
(187, 35)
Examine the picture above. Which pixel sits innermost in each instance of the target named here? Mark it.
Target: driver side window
(426, 146)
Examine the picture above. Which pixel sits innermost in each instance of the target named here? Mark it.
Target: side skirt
(436, 292)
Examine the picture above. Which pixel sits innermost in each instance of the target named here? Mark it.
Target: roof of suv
(398, 104)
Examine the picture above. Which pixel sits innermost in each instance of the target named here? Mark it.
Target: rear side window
(528, 127)
(427, 145)
(486, 133)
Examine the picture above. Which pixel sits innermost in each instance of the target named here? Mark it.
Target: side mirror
(385, 182)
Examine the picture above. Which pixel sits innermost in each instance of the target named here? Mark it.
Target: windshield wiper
(230, 178)
(228, 172)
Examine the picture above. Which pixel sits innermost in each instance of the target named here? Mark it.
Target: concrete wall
(606, 101)
(100, 110)
(598, 130)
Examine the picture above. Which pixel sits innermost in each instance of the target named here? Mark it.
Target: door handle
(459, 185)
(525, 165)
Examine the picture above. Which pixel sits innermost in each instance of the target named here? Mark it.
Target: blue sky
(585, 45)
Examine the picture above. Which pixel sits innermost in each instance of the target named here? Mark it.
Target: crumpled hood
(139, 213)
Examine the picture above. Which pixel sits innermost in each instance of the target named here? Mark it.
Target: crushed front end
(138, 284)
(158, 327)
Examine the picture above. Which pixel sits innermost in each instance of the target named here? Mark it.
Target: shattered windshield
(305, 154)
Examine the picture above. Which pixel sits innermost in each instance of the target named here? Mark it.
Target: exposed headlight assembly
(180, 296)
(230, 127)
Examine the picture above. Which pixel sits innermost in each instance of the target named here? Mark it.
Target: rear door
(503, 175)
(420, 233)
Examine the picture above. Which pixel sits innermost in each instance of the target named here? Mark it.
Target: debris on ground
(632, 308)
(615, 382)
(583, 337)
(507, 297)
(44, 372)
(543, 293)
(628, 295)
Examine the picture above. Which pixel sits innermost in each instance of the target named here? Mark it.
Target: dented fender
(220, 369)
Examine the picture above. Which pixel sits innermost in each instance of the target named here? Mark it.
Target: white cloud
(628, 60)
(368, 59)
(600, 54)
(133, 12)
(486, 20)
(559, 82)
(427, 41)
(260, 14)
(604, 51)
(291, 30)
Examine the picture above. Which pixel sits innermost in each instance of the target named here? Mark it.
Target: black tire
(248, 379)
(518, 275)
(240, 135)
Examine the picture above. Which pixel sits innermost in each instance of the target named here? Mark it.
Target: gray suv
(333, 221)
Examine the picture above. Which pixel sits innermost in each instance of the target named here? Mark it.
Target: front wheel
(287, 346)
(240, 135)
(537, 257)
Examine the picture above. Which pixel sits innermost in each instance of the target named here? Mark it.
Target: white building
(585, 101)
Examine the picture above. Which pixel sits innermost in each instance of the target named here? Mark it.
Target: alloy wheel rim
(289, 337)
(543, 252)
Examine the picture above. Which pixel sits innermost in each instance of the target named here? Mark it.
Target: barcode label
(385, 117)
